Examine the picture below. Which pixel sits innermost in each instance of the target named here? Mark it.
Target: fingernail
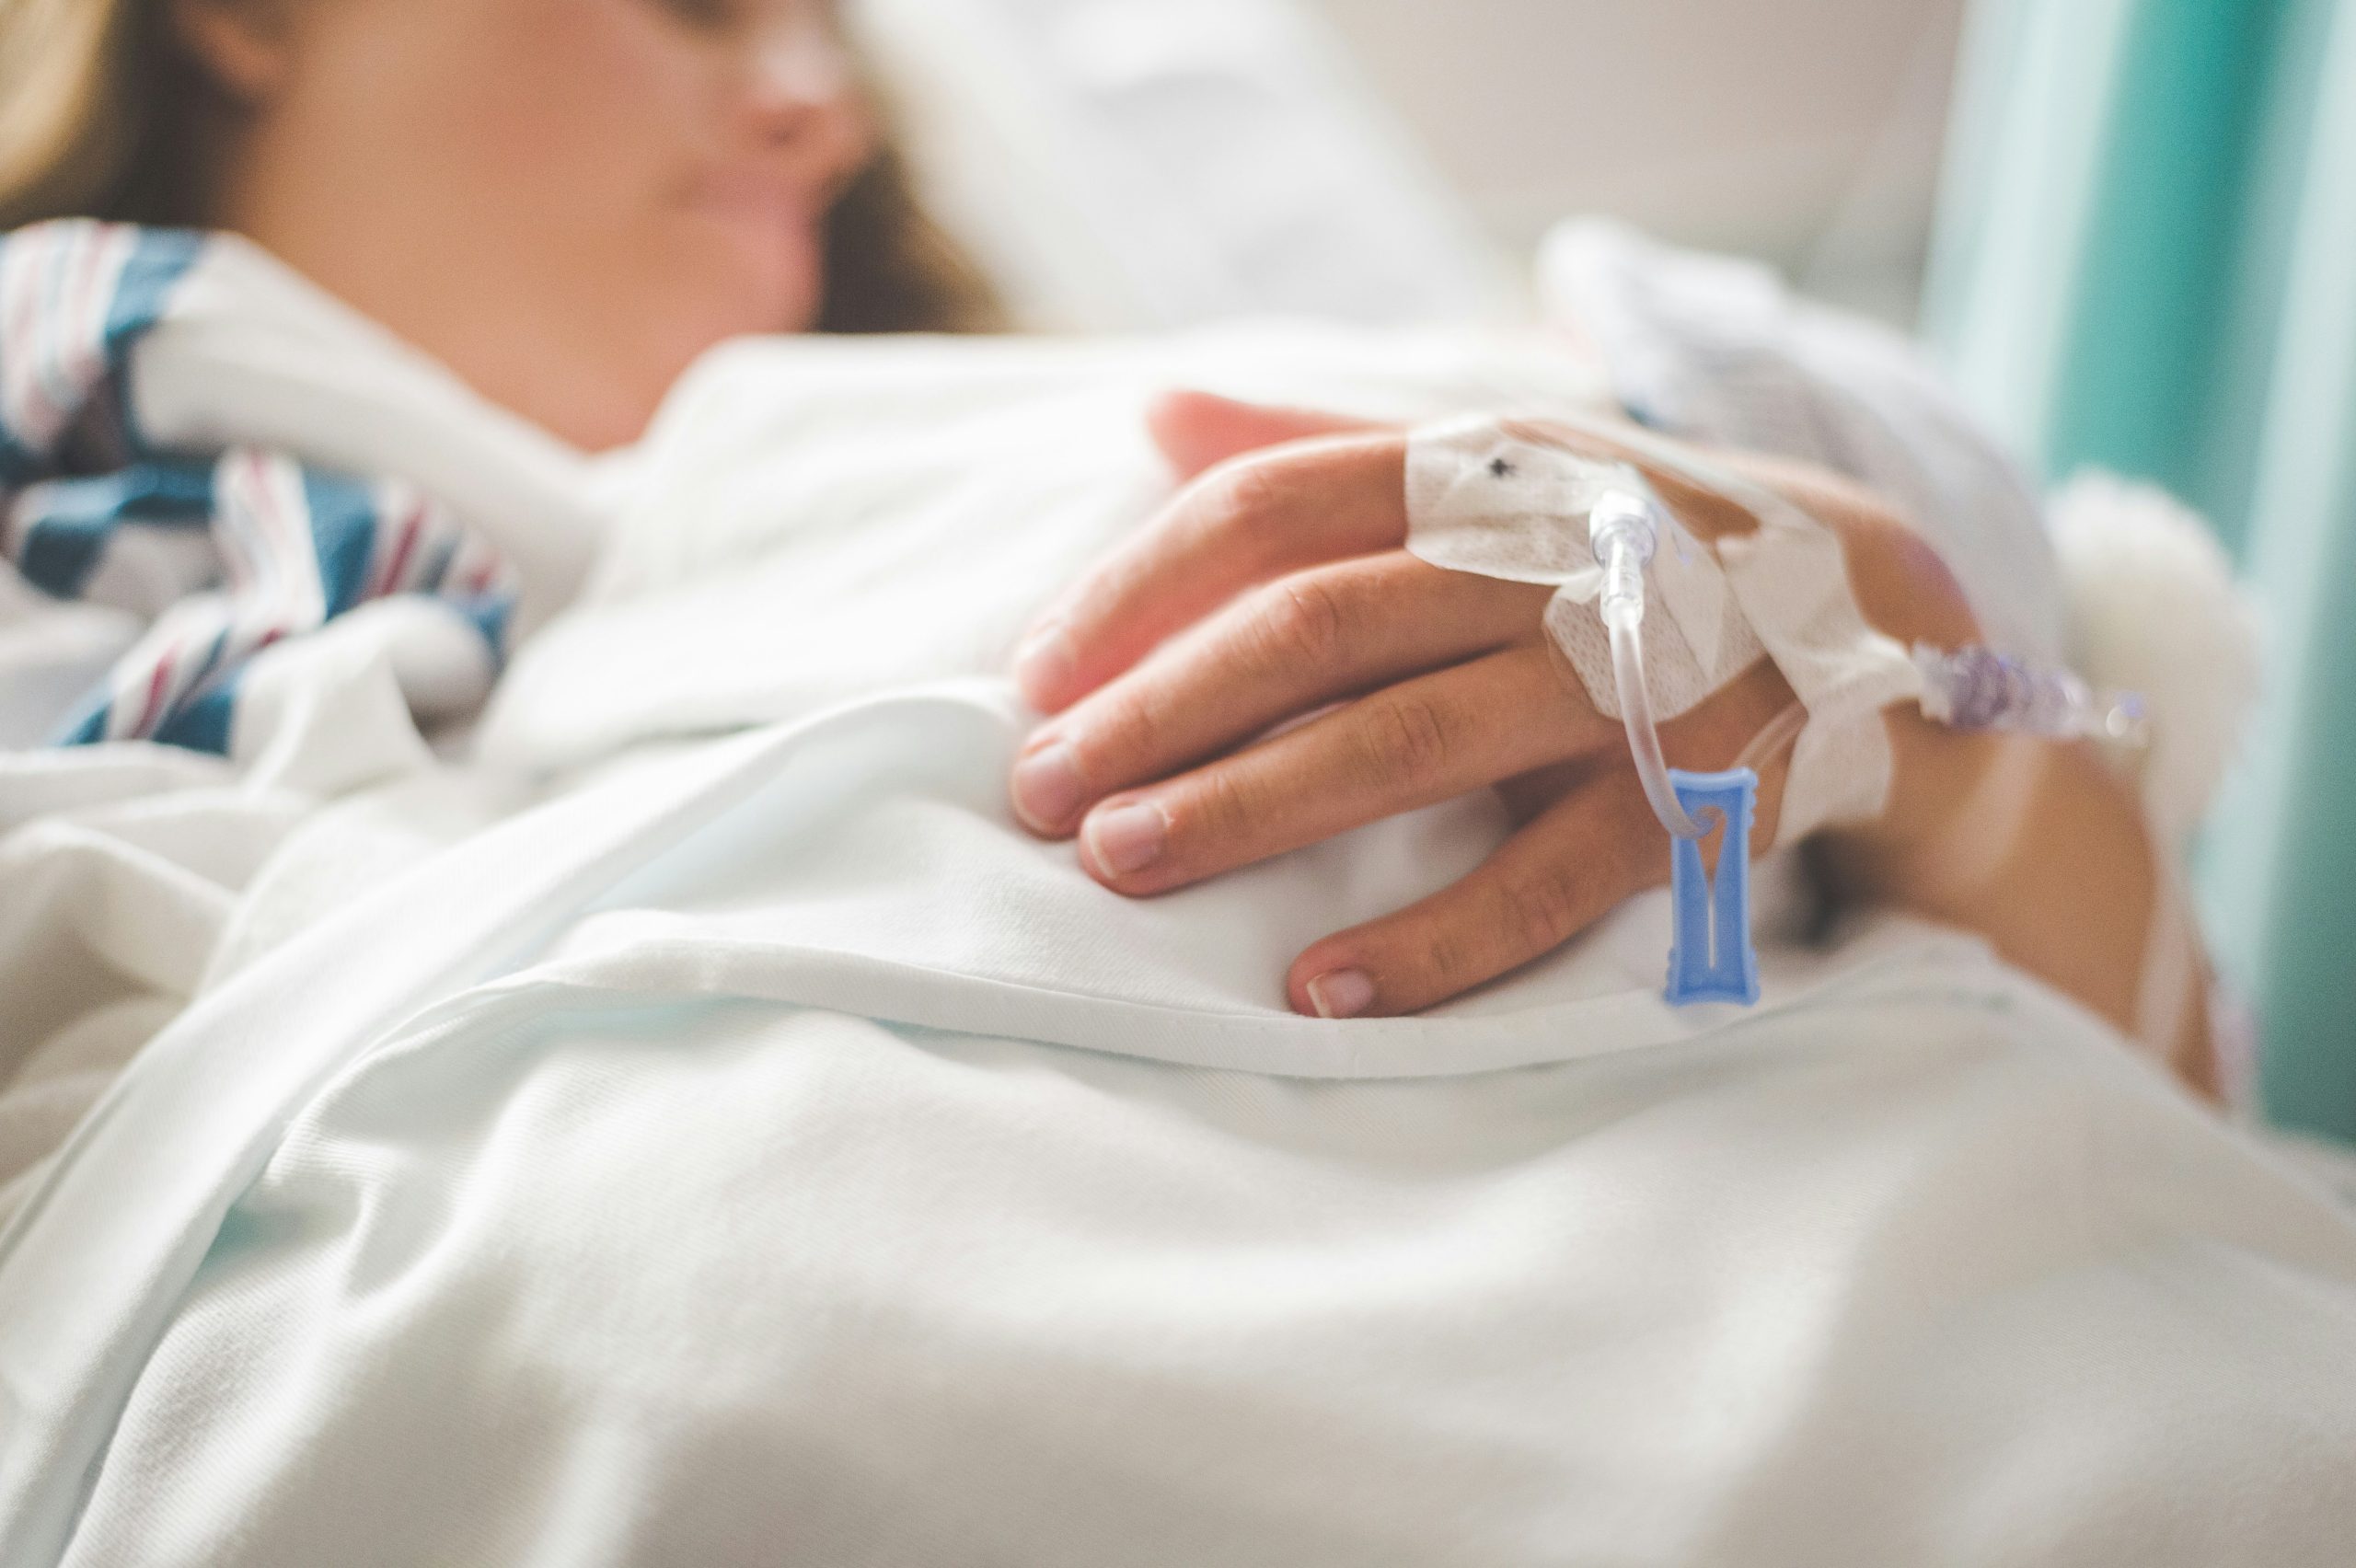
(1048, 787)
(1341, 993)
(1043, 666)
(1128, 838)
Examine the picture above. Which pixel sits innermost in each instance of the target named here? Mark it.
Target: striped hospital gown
(225, 553)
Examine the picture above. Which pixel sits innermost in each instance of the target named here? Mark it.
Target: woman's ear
(244, 46)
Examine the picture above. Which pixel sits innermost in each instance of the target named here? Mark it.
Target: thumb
(1200, 430)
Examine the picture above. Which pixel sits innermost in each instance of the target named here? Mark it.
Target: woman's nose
(800, 82)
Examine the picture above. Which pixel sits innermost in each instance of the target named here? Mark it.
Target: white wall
(1808, 131)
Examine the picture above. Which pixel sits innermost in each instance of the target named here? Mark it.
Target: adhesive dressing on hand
(1510, 500)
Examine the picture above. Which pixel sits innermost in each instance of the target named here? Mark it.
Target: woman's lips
(770, 224)
(759, 206)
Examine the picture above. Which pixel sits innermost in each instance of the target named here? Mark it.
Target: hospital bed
(749, 1147)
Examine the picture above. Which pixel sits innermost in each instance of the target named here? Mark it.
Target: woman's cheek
(589, 113)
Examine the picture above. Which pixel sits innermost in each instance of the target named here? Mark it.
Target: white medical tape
(1508, 499)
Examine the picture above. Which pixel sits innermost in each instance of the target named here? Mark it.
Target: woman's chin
(594, 422)
(759, 278)
(711, 298)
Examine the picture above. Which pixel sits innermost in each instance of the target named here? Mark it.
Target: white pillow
(1137, 164)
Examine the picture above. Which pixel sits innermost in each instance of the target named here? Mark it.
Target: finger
(1200, 430)
(1408, 745)
(1303, 641)
(1242, 524)
(1551, 880)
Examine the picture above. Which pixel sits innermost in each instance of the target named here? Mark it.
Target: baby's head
(566, 201)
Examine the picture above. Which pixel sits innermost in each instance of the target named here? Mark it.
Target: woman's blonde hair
(101, 111)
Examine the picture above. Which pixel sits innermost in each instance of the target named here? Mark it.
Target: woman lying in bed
(567, 202)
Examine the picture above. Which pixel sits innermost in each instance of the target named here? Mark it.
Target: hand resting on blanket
(1265, 667)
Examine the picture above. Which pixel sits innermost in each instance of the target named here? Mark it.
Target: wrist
(1960, 813)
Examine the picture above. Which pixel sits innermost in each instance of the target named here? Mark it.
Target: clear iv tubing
(1971, 689)
(1622, 532)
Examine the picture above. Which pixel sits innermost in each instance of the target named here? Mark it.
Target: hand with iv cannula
(1264, 665)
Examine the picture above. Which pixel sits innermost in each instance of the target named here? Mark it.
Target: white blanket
(761, 1150)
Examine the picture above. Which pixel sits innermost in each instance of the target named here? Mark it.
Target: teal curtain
(2146, 260)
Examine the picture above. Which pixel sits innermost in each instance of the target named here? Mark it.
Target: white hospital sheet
(793, 1192)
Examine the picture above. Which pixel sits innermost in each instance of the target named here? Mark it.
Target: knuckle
(1127, 735)
(1243, 496)
(1301, 621)
(1408, 740)
(1446, 961)
(1218, 809)
(1543, 911)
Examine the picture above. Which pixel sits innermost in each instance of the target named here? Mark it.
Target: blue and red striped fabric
(263, 546)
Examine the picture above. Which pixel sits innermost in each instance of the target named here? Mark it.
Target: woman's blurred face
(566, 201)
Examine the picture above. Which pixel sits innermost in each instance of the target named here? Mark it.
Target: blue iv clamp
(1710, 956)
